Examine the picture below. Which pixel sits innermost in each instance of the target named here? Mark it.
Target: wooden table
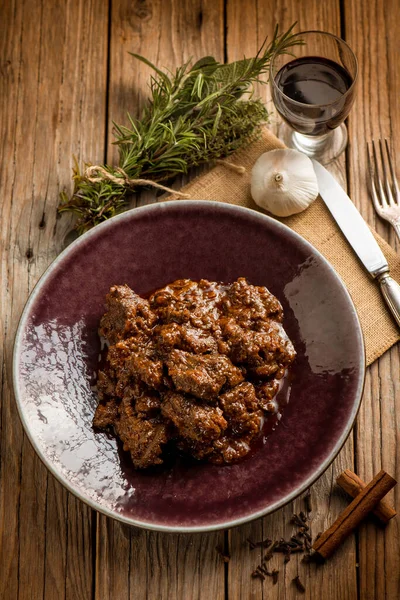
(65, 74)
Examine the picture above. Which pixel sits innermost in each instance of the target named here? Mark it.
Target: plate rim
(95, 231)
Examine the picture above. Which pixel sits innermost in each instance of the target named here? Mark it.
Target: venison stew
(194, 367)
(181, 333)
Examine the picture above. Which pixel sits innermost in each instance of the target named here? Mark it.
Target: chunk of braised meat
(229, 449)
(107, 409)
(143, 438)
(240, 408)
(128, 360)
(106, 384)
(198, 450)
(145, 400)
(250, 305)
(147, 368)
(176, 367)
(148, 405)
(263, 353)
(106, 413)
(225, 450)
(117, 357)
(202, 375)
(194, 422)
(127, 315)
(265, 393)
(184, 337)
(187, 301)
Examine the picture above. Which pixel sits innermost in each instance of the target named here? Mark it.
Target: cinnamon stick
(348, 520)
(353, 485)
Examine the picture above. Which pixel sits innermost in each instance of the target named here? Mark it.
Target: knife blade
(353, 226)
(359, 236)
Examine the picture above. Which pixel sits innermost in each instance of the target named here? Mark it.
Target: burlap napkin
(318, 227)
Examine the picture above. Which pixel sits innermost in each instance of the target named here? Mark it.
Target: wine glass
(313, 91)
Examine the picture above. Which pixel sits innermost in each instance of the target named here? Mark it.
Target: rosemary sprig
(195, 115)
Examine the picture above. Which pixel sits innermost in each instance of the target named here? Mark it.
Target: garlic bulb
(283, 182)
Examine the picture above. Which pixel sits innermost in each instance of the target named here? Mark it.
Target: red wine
(318, 87)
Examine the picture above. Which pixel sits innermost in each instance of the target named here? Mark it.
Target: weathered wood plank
(56, 525)
(54, 67)
(246, 30)
(181, 566)
(113, 549)
(11, 438)
(371, 30)
(132, 563)
(53, 75)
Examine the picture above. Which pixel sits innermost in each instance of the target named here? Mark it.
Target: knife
(359, 236)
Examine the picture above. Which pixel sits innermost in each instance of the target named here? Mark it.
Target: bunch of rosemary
(193, 116)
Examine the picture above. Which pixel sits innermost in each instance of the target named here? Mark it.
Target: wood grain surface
(245, 34)
(65, 75)
(378, 425)
(54, 78)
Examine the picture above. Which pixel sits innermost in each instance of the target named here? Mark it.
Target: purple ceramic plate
(57, 348)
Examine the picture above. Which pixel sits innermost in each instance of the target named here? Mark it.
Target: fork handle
(391, 292)
(396, 227)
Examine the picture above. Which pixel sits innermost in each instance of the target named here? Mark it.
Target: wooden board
(135, 563)
(246, 32)
(53, 61)
(377, 115)
(65, 74)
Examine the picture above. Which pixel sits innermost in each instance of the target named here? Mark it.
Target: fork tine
(389, 194)
(381, 191)
(393, 174)
(374, 194)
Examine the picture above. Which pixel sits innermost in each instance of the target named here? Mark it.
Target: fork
(386, 195)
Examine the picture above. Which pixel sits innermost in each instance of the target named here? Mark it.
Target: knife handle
(391, 292)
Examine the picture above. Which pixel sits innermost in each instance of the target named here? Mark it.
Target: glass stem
(311, 143)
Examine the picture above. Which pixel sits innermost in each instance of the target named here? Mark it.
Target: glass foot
(324, 148)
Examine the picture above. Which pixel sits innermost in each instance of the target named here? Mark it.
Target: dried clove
(299, 584)
(307, 536)
(261, 572)
(285, 547)
(295, 520)
(303, 517)
(263, 544)
(225, 557)
(251, 544)
(257, 573)
(300, 520)
(295, 542)
(301, 541)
